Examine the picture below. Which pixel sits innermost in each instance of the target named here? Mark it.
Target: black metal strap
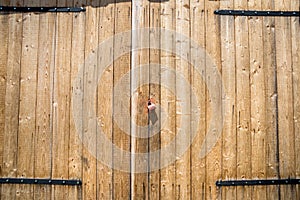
(39, 181)
(257, 13)
(41, 9)
(258, 182)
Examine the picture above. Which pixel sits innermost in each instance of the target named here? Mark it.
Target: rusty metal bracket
(41, 9)
(258, 182)
(39, 181)
(257, 13)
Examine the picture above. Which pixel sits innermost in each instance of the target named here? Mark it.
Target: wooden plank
(10, 138)
(168, 179)
(140, 95)
(77, 59)
(183, 110)
(44, 117)
(89, 123)
(27, 109)
(243, 100)
(105, 100)
(229, 157)
(212, 33)
(269, 61)
(3, 79)
(154, 126)
(3, 68)
(121, 179)
(61, 101)
(295, 29)
(285, 100)
(198, 164)
(257, 88)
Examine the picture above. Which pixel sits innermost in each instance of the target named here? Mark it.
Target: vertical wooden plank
(4, 25)
(89, 177)
(269, 61)
(295, 29)
(154, 77)
(212, 36)
(243, 100)
(3, 68)
(44, 117)
(10, 138)
(121, 179)
(183, 94)
(27, 110)
(229, 157)
(61, 101)
(257, 88)
(104, 99)
(140, 95)
(285, 100)
(168, 101)
(198, 172)
(77, 60)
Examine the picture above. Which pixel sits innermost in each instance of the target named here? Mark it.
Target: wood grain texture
(121, 179)
(183, 106)
(77, 60)
(140, 95)
(44, 117)
(212, 36)
(229, 158)
(3, 79)
(295, 28)
(61, 101)
(257, 88)
(198, 165)
(89, 161)
(269, 60)
(105, 101)
(285, 94)
(168, 180)
(257, 58)
(155, 93)
(243, 101)
(10, 138)
(27, 110)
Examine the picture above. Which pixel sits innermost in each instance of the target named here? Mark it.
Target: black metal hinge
(257, 13)
(41, 9)
(258, 182)
(39, 181)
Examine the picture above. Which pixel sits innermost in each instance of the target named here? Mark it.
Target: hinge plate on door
(39, 181)
(257, 13)
(41, 9)
(258, 182)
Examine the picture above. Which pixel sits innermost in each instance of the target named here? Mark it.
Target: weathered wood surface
(45, 57)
